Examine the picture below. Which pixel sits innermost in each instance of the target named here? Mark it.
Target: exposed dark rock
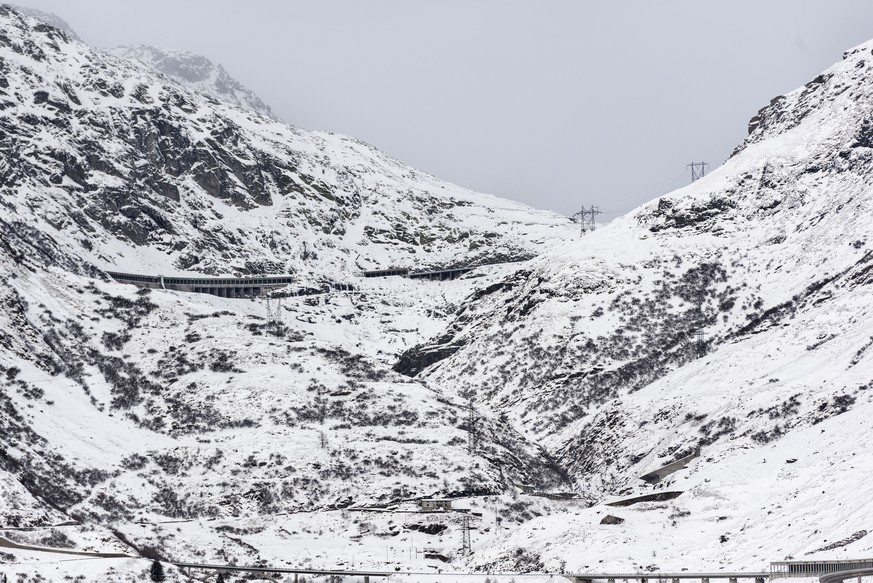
(610, 519)
(418, 358)
(431, 529)
(656, 497)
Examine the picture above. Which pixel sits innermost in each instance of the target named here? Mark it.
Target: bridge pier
(732, 580)
(704, 580)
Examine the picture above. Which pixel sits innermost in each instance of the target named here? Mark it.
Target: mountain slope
(197, 73)
(730, 316)
(122, 409)
(132, 169)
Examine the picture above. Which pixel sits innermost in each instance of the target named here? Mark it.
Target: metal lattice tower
(274, 316)
(472, 433)
(586, 218)
(698, 170)
(700, 342)
(465, 535)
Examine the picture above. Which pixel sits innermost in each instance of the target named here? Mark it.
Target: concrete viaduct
(438, 275)
(248, 287)
(225, 287)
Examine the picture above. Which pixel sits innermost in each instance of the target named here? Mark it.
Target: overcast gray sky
(553, 103)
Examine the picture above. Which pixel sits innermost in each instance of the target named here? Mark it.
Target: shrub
(156, 572)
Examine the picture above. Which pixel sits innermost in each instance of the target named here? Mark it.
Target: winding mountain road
(8, 544)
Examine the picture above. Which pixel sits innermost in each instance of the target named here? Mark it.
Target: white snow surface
(730, 317)
(593, 351)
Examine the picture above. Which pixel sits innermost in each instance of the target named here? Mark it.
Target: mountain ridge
(196, 72)
(178, 179)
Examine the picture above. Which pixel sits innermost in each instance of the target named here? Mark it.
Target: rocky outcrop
(196, 72)
(162, 156)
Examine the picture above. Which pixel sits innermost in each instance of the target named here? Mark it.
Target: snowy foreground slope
(731, 317)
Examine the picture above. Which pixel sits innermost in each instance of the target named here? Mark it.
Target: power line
(681, 174)
(668, 185)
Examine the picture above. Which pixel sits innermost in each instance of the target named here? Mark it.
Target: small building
(435, 504)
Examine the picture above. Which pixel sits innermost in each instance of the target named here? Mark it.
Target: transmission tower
(699, 337)
(700, 342)
(465, 535)
(472, 433)
(274, 316)
(698, 170)
(586, 218)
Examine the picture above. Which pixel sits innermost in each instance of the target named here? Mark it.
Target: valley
(683, 392)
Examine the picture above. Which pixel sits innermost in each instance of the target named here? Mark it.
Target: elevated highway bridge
(248, 287)
(225, 287)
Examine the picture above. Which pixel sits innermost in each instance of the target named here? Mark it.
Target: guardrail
(826, 571)
(840, 576)
(663, 577)
(786, 569)
(188, 567)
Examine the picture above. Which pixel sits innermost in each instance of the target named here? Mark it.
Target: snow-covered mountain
(732, 317)
(197, 73)
(728, 319)
(123, 407)
(135, 170)
(50, 19)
